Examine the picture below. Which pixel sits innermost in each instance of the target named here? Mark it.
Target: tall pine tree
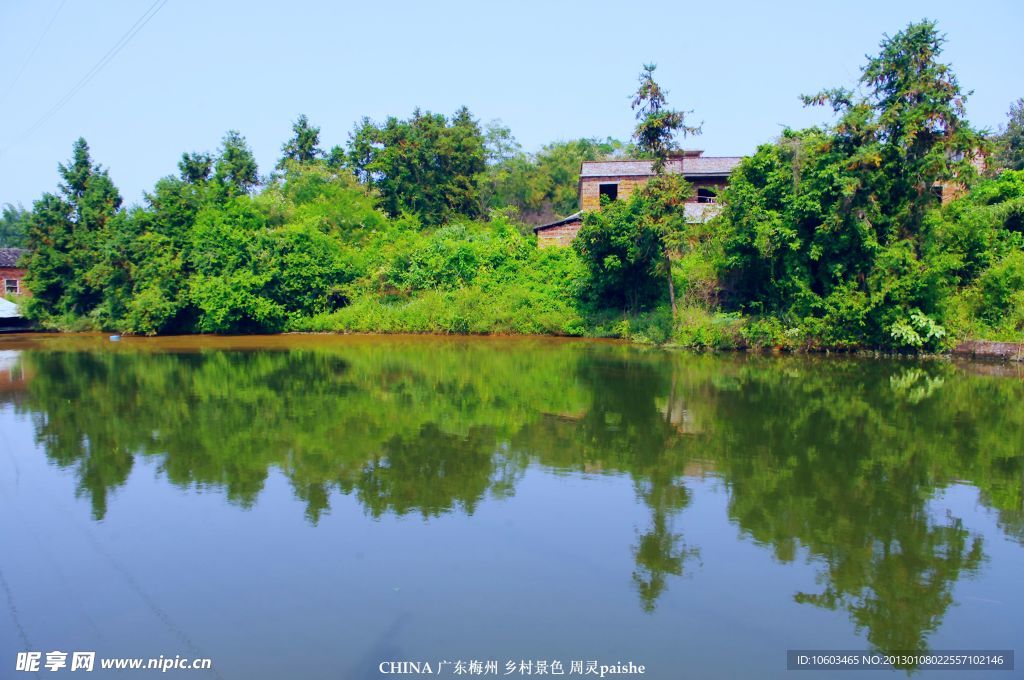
(66, 234)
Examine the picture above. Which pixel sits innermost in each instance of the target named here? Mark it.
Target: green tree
(303, 147)
(231, 254)
(427, 165)
(159, 256)
(337, 157)
(13, 226)
(70, 239)
(499, 144)
(235, 168)
(908, 130)
(621, 248)
(195, 168)
(542, 186)
(656, 135)
(826, 229)
(657, 126)
(160, 263)
(1009, 152)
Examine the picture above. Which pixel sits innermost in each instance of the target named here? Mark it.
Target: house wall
(590, 188)
(951, 191)
(716, 183)
(15, 274)
(562, 235)
(590, 199)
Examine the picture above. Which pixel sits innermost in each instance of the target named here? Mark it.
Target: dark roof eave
(575, 217)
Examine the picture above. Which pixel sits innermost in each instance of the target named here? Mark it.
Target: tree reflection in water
(834, 457)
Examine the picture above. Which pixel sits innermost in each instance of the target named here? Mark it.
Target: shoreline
(983, 351)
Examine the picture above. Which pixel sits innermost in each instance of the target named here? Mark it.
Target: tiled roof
(575, 217)
(691, 167)
(9, 256)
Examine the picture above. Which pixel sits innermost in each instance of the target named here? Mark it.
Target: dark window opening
(705, 195)
(937, 191)
(609, 190)
(11, 286)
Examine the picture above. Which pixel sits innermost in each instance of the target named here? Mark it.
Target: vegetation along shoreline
(897, 228)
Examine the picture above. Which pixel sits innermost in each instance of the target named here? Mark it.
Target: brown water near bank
(282, 341)
(969, 359)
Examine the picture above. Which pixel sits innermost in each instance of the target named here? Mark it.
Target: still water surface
(306, 507)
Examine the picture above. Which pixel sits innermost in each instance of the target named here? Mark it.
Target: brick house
(618, 179)
(11, 275)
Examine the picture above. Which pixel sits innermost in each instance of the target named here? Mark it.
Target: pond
(312, 506)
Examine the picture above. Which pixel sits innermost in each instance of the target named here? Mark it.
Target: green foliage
(72, 239)
(1009, 144)
(235, 170)
(499, 143)
(14, 222)
(655, 135)
(463, 278)
(327, 198)
(231, 254)
(840, 229)
(791, 250)
(160, 289)
(195, 168)
(828, 237)
(622, 250)
(905, 134)
(698, 328)
(1001, 286)
(542, 186)
(657, 126)
(427, 165)
(917, 331)
(303, 147)
(309, 252)
(766, 332)
(627, 244)
(654, 327)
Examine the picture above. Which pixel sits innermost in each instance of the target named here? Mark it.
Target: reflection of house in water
(616, 180)
(14, 378)
(699, 469)
(681, 418)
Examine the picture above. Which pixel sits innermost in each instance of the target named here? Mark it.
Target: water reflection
(832, 460)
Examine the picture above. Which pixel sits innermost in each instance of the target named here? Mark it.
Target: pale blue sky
(550, 70)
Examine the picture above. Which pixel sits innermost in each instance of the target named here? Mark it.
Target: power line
(32, 52)
(139, 24)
